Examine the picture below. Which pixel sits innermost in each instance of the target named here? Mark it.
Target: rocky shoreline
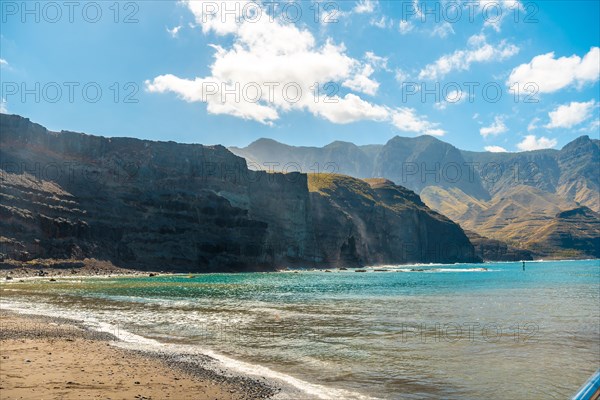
(13, 269)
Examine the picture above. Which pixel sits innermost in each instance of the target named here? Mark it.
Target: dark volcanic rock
(506, 197)
(374, 222)
(172, 206)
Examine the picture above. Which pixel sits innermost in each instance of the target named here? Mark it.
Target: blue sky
(360, 71)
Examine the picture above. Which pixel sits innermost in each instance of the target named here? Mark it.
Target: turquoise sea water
(437, 331)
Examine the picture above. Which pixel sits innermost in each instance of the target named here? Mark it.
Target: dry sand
(48, 358)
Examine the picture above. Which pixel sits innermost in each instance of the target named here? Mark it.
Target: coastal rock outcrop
(190, 207)
(506, 197)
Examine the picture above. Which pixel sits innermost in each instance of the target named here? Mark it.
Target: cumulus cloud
(214, 94)
(271, 67)
(531, 142)
(3, 108)
(495, 11)
(401, 76)
(533, 124)
(452, 97)
(442, 30)
(496, 128)
(350, 108)
(3, 61)
(406, 119)
(551, 74)
(478, 51)
(569, 115)
(361, 82)
(364, 7)
(495, 149)
(376, 61)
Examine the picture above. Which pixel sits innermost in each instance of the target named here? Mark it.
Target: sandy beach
(50, 358)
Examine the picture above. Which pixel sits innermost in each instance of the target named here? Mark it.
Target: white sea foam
(292, 388)
(457, 270)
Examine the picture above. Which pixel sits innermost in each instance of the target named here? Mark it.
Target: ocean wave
(292, 388)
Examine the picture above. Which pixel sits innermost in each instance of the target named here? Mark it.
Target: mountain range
(188, 207)
(542, 203)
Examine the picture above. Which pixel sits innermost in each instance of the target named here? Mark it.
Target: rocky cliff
(375, 221)
(171, 206)
(500, 197)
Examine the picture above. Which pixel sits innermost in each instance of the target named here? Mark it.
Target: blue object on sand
(591, 389)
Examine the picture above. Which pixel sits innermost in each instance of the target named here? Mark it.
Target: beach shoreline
(238, 326)
(63, 268)
(56, 358)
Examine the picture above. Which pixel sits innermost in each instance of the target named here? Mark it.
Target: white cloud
(443, 30)
(435, 132)
(452, 97)
(533, 124)
(495, 149)
(364, 7)
(492, 11)
(3, 108)
(401, 76)
(271, 67)
(361, 82)
(174, 32)
(406, 119)
(594, 127)
(383, 22)
(3, 61)
(551, 74)
(495, 11)
(405, 27)
(479, 51)
(531, 142)
(455, 96)
(350, 108)
(376, 61)
(496, 128)
(476, 40)
(211, 91)
(569, 115)
(217, 18)
(417, 8)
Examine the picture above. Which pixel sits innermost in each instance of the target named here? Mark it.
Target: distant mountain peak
(265, 141)
(338, 143)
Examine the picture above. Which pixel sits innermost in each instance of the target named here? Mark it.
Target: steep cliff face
(170, 206)
(143, 204)
(505, 197)
(377, 222)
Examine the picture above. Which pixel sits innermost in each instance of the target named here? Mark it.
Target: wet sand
(50, 358)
